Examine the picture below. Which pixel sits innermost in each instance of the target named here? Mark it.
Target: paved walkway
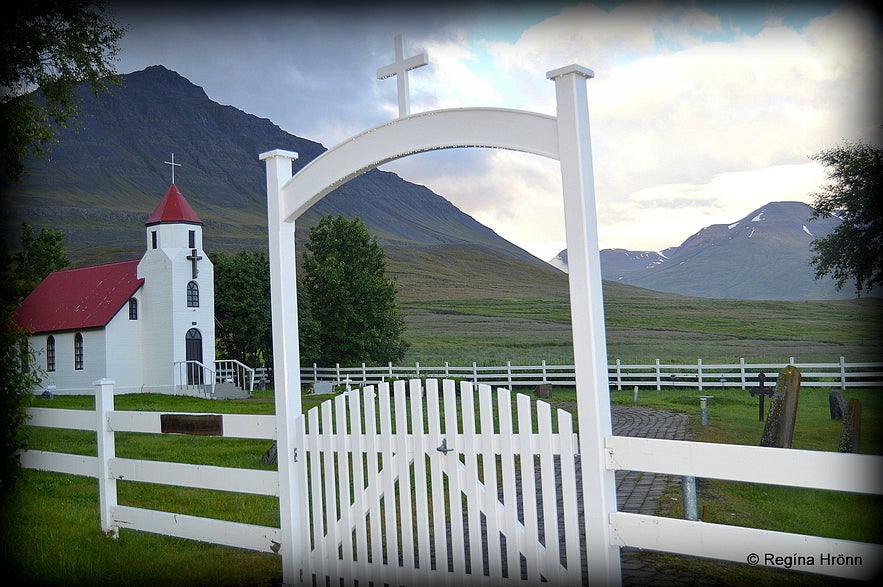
(640, 492)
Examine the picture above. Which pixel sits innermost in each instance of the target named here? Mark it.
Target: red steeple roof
(74, 299)
(173, 208)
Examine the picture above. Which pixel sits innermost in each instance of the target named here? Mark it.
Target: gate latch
(444, 447)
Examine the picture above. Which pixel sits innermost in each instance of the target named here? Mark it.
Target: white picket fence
(703, 376)
(413, 484)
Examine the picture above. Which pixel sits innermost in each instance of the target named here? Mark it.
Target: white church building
(148, 324)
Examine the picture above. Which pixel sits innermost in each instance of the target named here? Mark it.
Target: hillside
(105, 177)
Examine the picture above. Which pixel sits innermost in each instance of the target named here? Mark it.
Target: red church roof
(173, 208)
(74, 299)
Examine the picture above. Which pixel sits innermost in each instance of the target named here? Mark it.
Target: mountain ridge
(765, 255)
(103, 179)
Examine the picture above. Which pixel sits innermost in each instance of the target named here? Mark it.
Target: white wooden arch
(566, 138)
(515, 130)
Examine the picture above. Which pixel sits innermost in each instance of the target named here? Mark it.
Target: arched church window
(133, 309)
(50, 353)
(78, 351)
(192, 295)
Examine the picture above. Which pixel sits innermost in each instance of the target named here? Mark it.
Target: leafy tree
(17, 378)
(855, 249)
(242, 306)
(51, 46)
(350, 298)
(41, 254)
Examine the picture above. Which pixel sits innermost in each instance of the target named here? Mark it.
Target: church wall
(157, 353)
(167, 318)
(66, 378)
(124, 364)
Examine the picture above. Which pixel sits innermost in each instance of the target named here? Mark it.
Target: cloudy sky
(700, 111)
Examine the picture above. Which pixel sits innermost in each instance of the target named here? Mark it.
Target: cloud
(698, 111)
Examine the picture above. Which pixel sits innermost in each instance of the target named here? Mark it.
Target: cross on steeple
(400, 68)
(193, 258)
(173, 165)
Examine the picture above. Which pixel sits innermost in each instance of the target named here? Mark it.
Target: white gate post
(294, 523)
(587, 317)
(107, 485)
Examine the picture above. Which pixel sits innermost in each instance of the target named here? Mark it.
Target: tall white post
(107, 485)
(587, 317)
(294, 522)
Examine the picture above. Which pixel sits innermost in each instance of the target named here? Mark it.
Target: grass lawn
(51, 530)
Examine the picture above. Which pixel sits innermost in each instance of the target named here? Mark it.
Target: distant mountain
(104, 177)
(763, 256)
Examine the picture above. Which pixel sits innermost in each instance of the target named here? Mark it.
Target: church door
(193, 348)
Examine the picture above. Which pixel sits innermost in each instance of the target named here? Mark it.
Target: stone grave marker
(852, 427)
(543, 391)
(837, 404)
(779, 428)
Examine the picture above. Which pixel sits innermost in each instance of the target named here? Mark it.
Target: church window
(192, 295)
(153, 239)
(191, 238)
(133, 309)
(50, 353)
(78, 352)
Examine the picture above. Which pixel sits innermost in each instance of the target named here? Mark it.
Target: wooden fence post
(843, 373)
(742, 372)
(699, 372)
(107, 485)
(658, 377)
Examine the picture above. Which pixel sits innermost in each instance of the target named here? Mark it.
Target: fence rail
(108, 469)
(700, 375)
(798, 468)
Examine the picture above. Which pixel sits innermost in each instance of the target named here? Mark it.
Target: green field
(50, 523)
(643, 326)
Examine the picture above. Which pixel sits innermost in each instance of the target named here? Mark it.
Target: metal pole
(688, 492)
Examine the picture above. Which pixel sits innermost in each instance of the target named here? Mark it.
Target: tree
(351, 300)
(53, 46)
(41, 254)
(242, 306)
(854, 251)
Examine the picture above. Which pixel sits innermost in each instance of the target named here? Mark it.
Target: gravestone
(852, 427)
(779, 428)
(837, 404)
(543, 390)
(270, 457)
(323, 387)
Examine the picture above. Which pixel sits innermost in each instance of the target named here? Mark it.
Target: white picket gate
(412, 486)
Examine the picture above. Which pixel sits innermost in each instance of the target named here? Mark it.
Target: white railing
(194, 377)
(108, 469)
(797, 468)
(235, 372)
(700, 375)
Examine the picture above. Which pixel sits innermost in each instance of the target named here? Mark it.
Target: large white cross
(173, 165)
(400, 68)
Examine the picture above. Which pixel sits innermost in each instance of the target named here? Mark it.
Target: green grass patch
(52, 536)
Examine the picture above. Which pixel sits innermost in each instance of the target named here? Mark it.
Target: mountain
(763, 256)
(104, 177)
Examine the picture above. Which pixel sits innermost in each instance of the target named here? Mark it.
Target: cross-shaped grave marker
(762, 392)
(400, 68)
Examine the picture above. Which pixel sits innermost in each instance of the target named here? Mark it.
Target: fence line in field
(704, 376)
(396, 445)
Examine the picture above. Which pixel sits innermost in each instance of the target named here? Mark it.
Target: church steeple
(173, 208)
